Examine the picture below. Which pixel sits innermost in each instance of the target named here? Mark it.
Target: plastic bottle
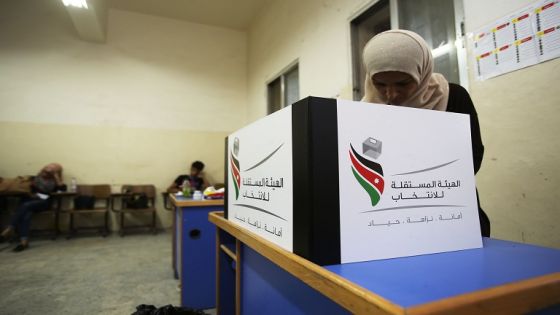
(186, 188)
(197, 195)
(73, 185)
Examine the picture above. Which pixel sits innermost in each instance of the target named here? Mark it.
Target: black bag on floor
(144, 309)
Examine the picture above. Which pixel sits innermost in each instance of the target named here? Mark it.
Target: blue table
(422, 279)
(501, 278)
(194, 254)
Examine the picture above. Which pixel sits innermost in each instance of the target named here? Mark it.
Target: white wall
(518, 112)
(135, 110)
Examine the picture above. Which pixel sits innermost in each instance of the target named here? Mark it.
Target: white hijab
(405, 51)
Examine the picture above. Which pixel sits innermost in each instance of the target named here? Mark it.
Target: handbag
(84, 202)
(137, 201)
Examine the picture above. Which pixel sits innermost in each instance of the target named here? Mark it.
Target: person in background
(48, 181)
(399, 71)
(196, 179)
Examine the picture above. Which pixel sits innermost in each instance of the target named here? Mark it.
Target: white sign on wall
(406, 182)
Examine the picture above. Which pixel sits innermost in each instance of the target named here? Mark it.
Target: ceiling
(236, 14)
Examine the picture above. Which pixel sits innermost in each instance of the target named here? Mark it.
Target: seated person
(196, 179)
(49, 180)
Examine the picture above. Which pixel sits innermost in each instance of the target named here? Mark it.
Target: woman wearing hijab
(399, 71)
(46, 182)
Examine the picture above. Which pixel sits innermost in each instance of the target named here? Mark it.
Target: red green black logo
(368, 173)
(235, 170)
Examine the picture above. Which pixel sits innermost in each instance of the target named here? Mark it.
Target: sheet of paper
(548, 32)
(42, 196)
(526, 37)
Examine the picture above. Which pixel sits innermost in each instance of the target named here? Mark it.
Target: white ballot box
(338, 181)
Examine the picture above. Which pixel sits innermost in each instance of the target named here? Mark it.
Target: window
(374, 20)
(284, 90)
(439, 22)
(434, 20)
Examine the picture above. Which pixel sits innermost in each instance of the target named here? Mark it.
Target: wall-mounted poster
(524, 38)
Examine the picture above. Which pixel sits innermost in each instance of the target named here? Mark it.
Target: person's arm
(460, 102)
(60, 186)
(58, 178)
(174, 187)
(205, 183)
(476, 138)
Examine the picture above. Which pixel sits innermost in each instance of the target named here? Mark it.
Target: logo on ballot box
(368, 173)
(259, 178)
(235, 170)
(404, 194)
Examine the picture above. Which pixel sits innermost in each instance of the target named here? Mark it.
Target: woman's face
(393, 86)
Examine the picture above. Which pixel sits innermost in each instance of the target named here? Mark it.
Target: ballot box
(338, 181)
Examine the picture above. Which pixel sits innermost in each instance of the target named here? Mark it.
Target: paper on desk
(42, 196)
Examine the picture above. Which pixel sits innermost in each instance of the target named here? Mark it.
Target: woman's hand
(58, 178)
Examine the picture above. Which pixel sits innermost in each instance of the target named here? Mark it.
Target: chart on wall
(527, 37)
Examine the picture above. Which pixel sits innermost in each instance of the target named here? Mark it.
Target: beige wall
(517, 111)
(137, 109)
(519, 114)
(315, 32)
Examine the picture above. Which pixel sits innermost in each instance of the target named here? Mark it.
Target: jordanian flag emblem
(369, 174)
(235, 174)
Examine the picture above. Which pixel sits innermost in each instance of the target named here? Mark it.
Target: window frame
(281, 75)
(460, 41)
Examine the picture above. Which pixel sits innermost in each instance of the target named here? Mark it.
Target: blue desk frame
(503, 277)
(194, 243)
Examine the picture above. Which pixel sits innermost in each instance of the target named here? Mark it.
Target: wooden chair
(132, 191)
(102, 195)
(166, 203)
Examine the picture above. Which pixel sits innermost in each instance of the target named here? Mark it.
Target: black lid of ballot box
(315, 177)
(316, 216)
